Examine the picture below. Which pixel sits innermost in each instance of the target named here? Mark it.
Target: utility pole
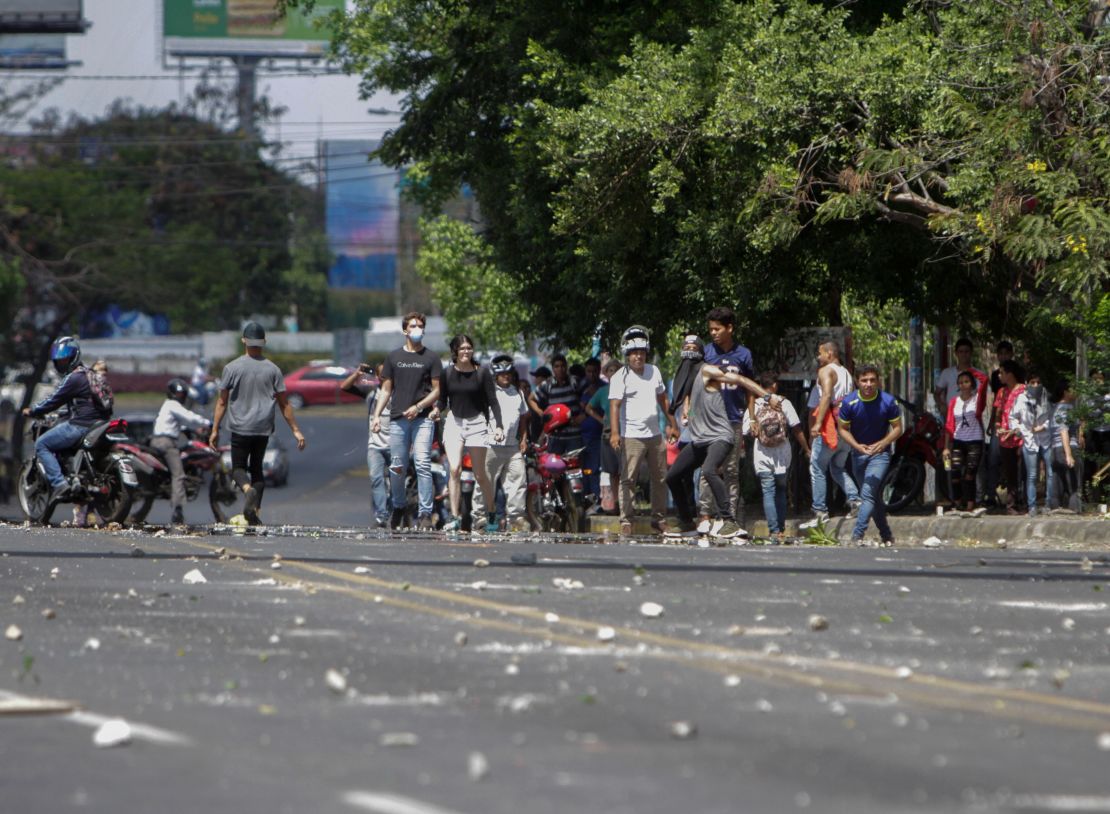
(247, 69)
(915, 391)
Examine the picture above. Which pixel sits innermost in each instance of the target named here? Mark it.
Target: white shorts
(463, 432)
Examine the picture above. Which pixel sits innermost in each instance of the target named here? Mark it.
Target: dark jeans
(966, 458)
(1009, 467)
(680, 478)
(1068, 481)
(247, 452)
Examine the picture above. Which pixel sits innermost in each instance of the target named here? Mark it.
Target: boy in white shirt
(636, 394)
(172, 418)
(505, 457)
(772, 424)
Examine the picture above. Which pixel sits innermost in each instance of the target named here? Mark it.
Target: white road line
(141, 731)
(1059, 607)
(391, 803)
(154, 734)
(1060, 802)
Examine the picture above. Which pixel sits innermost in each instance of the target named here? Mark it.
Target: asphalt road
(955, 680)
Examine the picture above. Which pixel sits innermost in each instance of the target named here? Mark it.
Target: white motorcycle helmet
(636, 337)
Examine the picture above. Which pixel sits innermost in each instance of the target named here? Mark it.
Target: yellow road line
(818, 673)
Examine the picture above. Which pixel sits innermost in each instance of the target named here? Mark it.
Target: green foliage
(476, 296)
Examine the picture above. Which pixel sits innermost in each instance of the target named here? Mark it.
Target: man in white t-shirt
(505, 458)
(945, 388)
(636, 394)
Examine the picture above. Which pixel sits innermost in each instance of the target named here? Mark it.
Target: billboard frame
(182, 47)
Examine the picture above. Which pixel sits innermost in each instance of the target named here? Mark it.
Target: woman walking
(468, 394)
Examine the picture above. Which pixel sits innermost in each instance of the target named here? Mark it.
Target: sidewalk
(1088, 531)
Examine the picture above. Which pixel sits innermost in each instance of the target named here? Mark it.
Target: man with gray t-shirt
(249, 388)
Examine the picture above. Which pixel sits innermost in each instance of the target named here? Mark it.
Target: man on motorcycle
(172, 418)
(84, 412)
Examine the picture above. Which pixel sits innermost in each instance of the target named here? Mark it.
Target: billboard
(41, 17)
(363, 204)
(32, 51)
(204, 28)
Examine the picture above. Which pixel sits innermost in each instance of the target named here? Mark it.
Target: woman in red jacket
(963, 448)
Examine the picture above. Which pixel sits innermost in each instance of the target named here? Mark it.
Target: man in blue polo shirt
(870, 421)
(731, 357)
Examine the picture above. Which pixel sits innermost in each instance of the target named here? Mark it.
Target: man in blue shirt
(724, 352)
(870, 421)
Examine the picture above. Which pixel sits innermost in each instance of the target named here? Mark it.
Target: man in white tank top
(830, 455)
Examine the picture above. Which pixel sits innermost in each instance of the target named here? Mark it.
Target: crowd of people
(1004, 434)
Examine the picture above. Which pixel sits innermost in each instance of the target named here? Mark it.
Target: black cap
(254, 335)
(542, 371)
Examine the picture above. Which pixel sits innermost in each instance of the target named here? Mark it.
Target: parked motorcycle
(100, 468)
(921, 443)
(202, 463)
(555, 499)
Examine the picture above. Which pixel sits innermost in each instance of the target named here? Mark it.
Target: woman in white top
(963, 449)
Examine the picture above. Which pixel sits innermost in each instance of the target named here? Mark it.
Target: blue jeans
(870, 471)
(377, 461)
(836, 462)
(1031, 459)
(774, 500)
(415, 436)
(59, 439)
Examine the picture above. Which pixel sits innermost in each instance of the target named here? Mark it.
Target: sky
(121, 56)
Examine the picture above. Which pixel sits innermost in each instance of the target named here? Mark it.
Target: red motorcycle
(198, 460)
(921, 443)
(556, 491)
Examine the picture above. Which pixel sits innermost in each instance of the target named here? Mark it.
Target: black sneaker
(425, 523)
(250, 508)
(61, 493)
(397, 519)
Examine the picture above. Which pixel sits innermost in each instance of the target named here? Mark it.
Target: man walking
(505, 458)
(870, 421)
(724, 352)
(829, 456)
(636, 394)
(250, 386)
(410, 386)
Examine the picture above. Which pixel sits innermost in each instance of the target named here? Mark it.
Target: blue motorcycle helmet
(65, 353)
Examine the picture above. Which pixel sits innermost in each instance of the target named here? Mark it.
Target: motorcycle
(921, 443)
(556, 491)
(199, 461)
(99, 467)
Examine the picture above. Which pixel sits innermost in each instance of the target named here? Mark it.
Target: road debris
(194, 577)
(527, 558)
(551, 618)
(732, 680)
(480, 563)
(336, 681)
(399, 739)
(361, 569)
(512, 669)
(461, 638)
(652, 610)
(818, 622)
(605, 633)
(903, 672)
(933, 542)
(48, 613)
(1104, 741)
(567, 584)
(18, 600)
(477, 767)
(13, 633)
(114, 732)
(683, 730)
(91, 644)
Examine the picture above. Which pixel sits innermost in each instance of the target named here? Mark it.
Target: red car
(318, 384)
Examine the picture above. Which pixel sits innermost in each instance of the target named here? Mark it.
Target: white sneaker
(818, 519)
(704, 526)
(716, 526)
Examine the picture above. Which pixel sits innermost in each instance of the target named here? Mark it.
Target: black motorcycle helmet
(502, 363)
(177, 390)
(65, 353)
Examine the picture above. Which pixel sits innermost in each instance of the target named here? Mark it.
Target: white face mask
(416, 334)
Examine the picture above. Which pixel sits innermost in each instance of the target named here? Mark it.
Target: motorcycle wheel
(225, 498)
(532, 511)
(114, 506)
(145, 505)
(570, 514)
(903, 483)
(34, 494)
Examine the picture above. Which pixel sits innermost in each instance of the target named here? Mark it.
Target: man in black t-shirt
(410, 385)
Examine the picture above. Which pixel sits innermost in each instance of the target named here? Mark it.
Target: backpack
(770, 424)
(101, 391)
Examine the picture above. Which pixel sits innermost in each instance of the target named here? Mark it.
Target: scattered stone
(903, 672)
(683, 730)
(621, 667)
(299, 621)
(933, 542)
(652, 610)
(336, 681)
(91, 644)
(551, 618)
(1002, 542)
(194, 577)
(54, 573)
(1104, 741)
(159, 533)
(13, 633)
(461, 639)
(567, 584)
(275, 566)
(480, 563)
(763, 705)
(399, 739)
(220, 552)
(48, 613)
(818, 622)
(277, 557)
(527, 558)
(115, 732)
(605, 633)
(638, 579)
(732, 681)
(1086, 565)
(1067, 623)
(477, 767)
(18, 600)
(903, 589)
(512, 669)
(361, 569)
